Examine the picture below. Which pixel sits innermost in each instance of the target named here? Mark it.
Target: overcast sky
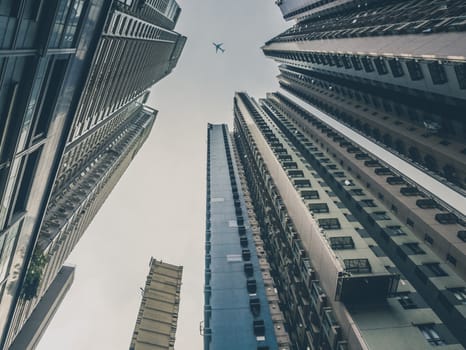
(158, 207)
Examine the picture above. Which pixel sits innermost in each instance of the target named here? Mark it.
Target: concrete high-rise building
(350, 271)
(158, 315)
(241, 306)
(45, 51)
(378, 88)
(393, 70)
(128, 46)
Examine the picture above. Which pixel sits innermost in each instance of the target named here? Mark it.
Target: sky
(158, 207)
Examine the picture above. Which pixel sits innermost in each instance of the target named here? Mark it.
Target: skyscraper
(134, 48)
(393, 70)
(40, 84)
(380, 86)
(349, 272)
(158, 315)
(241, 306)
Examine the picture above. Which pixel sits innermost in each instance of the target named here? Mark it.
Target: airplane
(218, 47)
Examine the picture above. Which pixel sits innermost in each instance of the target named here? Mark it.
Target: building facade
(374, 93)
(158, 315)
(241, 306)
(391, 70)
(40, 85)
(133, 47)
(349, 272)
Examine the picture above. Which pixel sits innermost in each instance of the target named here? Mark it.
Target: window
(395, 180)
(290, 165)
(431, 335)
(460, 70)
(396, 67)
(462, 235)
(368, 65)
(302, 183)
(435, 269)
(357, 265)
(350, 217)
(30, 162)
(357, 192)
(346, 62)
(414, 70)
(409, 191)
(451, 259)
(259, 328)
(446, 218)
(428, 239)
(381, 66)
(329, 224)
(383, 171)
(437, 73)
(380, 215)
(295, 173)
(372, 163)
(49, 95)
(459, 294)
(338, 243)
(310, 194)
(395, 230)
(426, 203)
(406, 302)
(356, 63)
(367, 203)
(414, 249)
(319, 207)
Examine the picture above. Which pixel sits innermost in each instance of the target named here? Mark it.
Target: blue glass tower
(240, 298)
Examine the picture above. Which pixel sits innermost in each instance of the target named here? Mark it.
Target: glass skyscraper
(90, 64)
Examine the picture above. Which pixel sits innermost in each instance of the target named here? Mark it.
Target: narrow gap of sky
(158, 207)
